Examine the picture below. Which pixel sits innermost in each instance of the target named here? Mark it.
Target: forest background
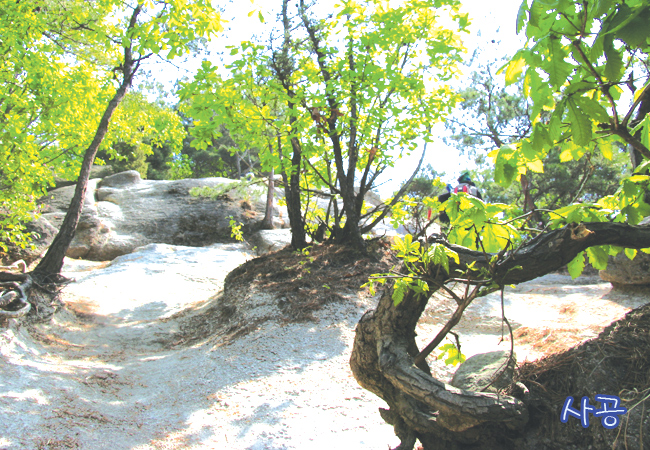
(152, 132)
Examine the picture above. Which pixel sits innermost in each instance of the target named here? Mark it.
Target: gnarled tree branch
(384, 350)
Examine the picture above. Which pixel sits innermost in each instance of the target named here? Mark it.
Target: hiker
(465, 184)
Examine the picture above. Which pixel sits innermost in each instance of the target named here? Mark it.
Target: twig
(503, 369)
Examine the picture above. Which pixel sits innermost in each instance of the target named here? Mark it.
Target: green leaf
(577, 265)
(614, 67)
(440, 255)
(593, 109)
(598, 257)
(580, 124)
(521, 15)
(514, 69)
(555, 66)
(606, 149)
(635, 31)
(506, 165)
(400, 288)
(630, 253)
(536, 166)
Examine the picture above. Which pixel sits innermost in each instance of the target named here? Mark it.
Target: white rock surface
(108, 378)
(122, 212)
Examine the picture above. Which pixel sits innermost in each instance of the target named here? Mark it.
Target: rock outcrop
(266, 241)
(122, 212)
(622, 270)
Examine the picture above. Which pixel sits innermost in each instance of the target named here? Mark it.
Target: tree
(577, 88)
(142, 30)
(141, 128)
(335, 99)
(47, 105)
(490, 116)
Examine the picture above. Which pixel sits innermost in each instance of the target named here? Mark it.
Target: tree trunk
(49, 268)
(423, 408)
(292, 196)
(238, 163)
(267, 222)
(644, 108)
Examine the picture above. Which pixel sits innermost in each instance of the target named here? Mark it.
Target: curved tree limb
(383, 356)
(458, 409)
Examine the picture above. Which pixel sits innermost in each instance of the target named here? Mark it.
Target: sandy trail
(106, 375)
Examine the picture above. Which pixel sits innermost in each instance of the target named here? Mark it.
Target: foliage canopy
(60, 67)
(339, 100)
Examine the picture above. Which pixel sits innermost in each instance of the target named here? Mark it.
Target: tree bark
(282, 64)
(267, 222)
(50, 266)
(439, 415)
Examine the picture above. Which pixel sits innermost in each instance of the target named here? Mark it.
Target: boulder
(122, 179)
(622, 270)
(122, 212)
(478, 372)
(266, 241)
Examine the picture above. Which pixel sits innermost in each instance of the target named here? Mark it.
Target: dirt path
(111, 372)
(107, 375)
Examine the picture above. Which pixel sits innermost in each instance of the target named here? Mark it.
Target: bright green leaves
(451, 354)
(475, 224)
(346, 102)
(631, 199)
(412, 252)
(598, 257)
(521, 15)
(554, 63)
(513, 160)
(174, 28)
(59, 68)
(405, 284)
(418, 259)
(576, 61)
(506, 161)
(406, 248)
(580, 123)
(629, 23)
(440, 255)
(577, 265)
(514, 69)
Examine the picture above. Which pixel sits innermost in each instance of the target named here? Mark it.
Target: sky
(492, 30)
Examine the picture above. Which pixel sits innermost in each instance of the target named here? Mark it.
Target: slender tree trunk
(529, 204)
(50, 266)
(283, 66)
(238, 162)
(292, 196)
(267, 223)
